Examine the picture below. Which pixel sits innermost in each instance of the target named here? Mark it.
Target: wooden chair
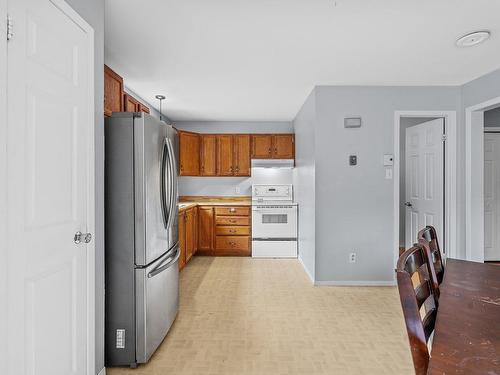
(427, 237)
(416, 292)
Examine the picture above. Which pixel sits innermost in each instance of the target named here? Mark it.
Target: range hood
(273, 163)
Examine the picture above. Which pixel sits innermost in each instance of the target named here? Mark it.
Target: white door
(491, 196)
(424, 179)
(50, 166)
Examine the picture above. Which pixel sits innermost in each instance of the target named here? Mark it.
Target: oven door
(274, 222)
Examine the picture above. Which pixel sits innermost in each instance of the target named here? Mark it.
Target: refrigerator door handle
(172, 181)
(171, 259)
(164, 175)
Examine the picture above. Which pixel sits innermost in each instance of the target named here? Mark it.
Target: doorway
(424, 177)
(477, 198)
(491, 185)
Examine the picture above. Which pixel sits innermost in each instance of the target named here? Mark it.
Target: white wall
(304, 182)
(218, 186)
(354, 205)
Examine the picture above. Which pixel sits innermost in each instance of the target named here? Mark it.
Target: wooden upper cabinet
(130, 104)
(283, 146)
(133, 105)
(262, 146)
(189, 144)
(225, 155)
(113, 92)
(205, 230)
(273, 146)
(241, 159)
(208, 165)
(142, 108)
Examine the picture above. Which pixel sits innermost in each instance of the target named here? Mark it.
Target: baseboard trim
(306, 270)
(102, 372)
(354, 283)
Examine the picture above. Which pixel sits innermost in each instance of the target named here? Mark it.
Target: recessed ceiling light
(471, 39)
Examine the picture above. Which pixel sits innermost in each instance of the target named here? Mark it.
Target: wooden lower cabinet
(214, 230)
(189, 217)
(205, 230)
(182, 239)
(233, 231)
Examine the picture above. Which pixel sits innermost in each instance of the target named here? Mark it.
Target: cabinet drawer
(232, 231)
(232, 220)
(237, 211)
(232, 243)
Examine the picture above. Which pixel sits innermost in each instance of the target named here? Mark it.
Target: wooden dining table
(467, 331)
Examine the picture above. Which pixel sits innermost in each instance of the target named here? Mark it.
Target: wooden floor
(259, 317)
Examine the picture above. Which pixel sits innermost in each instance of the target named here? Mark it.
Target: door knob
(408, 204)
(82, 237)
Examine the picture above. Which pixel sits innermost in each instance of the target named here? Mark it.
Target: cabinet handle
(275, 150)
(232, 231)
(269, 150)
(232, 209)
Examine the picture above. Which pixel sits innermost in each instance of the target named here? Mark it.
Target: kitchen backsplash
(224, 186)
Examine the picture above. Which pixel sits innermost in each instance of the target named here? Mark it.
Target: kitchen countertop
(193, 201)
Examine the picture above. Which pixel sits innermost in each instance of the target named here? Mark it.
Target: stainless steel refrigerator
(141, 249)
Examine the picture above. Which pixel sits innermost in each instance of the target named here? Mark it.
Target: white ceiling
(257, 60)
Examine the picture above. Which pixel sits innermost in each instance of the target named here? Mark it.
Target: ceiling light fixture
(471, 39)
(160, 98)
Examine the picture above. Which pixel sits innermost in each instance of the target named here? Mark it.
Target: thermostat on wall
(352, 122)
(388, 160)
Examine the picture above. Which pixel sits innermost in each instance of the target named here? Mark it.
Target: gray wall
(228, 185)
(354, 210)
(304, 182)
(492, 118)
(93, 12)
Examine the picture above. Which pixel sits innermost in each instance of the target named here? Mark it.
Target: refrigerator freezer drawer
(274, 249)
(157, 302)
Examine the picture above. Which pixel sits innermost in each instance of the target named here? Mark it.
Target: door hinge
(443, 137)
(10, 28)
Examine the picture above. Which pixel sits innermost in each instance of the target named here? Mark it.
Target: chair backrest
(419, 304)
(428, 238)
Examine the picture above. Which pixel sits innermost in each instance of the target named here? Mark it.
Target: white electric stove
(274, 221)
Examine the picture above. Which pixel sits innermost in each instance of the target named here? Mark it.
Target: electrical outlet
(237, 190)
(352, 257)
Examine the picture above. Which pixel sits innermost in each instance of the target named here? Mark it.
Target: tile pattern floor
(263, 316)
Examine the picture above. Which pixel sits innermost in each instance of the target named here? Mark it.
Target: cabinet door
(189, 144)
(205, 230)
(195, 230)
(113, 92)
(225, 155)
(208, 165)
(142, 108)
(241, 144)
(262, 146)
(189, 234)
(283, 146)
(131, 105)
(182, 240)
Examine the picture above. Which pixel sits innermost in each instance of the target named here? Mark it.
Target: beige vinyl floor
(263, 316)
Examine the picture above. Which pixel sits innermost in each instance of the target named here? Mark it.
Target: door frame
(3, 186)
(450, 178)
(474, 179)
(90, 321)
